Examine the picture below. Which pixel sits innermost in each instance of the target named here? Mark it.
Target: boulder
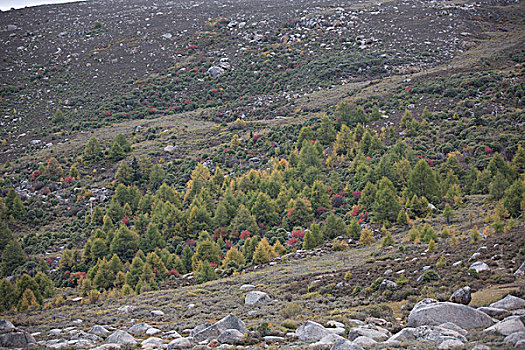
(6, 326)
(312, 331)
(495, 312)
(479, 266)
(121, 338)
(273, 339)
(215, 71)
(153, 331)
(231, 336)
(344, 344)
(514, 338)
(521, 270)
(510, 302)
(247, 286)
(125, 309)
(101, 331)
(16, 339)
(461, 296)
(326, 342)
(375, 332)
(214, 330)
(153, 341)
(364, 341)
(450, 344)
(181, 343)
(256, 297)
(139, 328)
(430, 312)
(86, 336)
(454, 327)
(157, 313)
(435, 335)
(508, 326)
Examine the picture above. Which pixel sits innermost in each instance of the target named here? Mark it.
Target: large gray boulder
(512, 324)
(479, 266)
(430, 312)
(213, 331)
(121, 338)
(16, 339)
(231, 336)
(312, 331)
(215, 71)
(326, 342)
(344, 344)
(86, 336)
(12, 337)
(461, 296)
(510, 302)
(256, 297)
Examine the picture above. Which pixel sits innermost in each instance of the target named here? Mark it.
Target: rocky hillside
(263, 174)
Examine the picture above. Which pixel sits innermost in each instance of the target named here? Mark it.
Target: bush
(291, 310)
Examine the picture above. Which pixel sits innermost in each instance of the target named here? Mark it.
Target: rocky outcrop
(12, 337)
(511, 324)
(215, 330)
(430, 312)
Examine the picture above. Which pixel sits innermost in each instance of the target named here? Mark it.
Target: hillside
(317, 169)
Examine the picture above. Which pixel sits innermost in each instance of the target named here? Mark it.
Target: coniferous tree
(448, 213)
(422, 181)
(207, 251)
(514, 197)
(265, 210)
(204, 272)
(354, 230)
(152, 239)
(333, 227)
(386, 205)
(27, 282)
(317, 235)
(234, 258)
(498, 186)
(309, 240)
(92, 150)
(326, 133)
(249, 247)
(13, 256)
(125, 243)
(244, 220)
(7, 295)
(263, 253)
(187, 255)
(135, 271)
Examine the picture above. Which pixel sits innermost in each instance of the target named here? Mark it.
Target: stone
(461, 296)
(521, 270)
(312, 331)
(387, 284)
(170, 148)
(435, 335)
(215, 71)
(495, 312)
(231, 336)
(126, 309)
(181, 343)
(514, 338)
(454, 327)
(508, 326)
(247, 286)
(479, 266)
(273, 339)
(481, 347)
(171, 334)
(6, 326)
(139, 328)
(256, 297)
(214, 330)
(154, 341)
(430, 312)
(450, 344)
(120, 337)
(375, 332)
(153, 331)
(335, 324)
(364, 341)
(101, 331)
(326, 342)
(87, 336)
(510, 302)
(16, 339)
(157, 313)
(344, 344)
